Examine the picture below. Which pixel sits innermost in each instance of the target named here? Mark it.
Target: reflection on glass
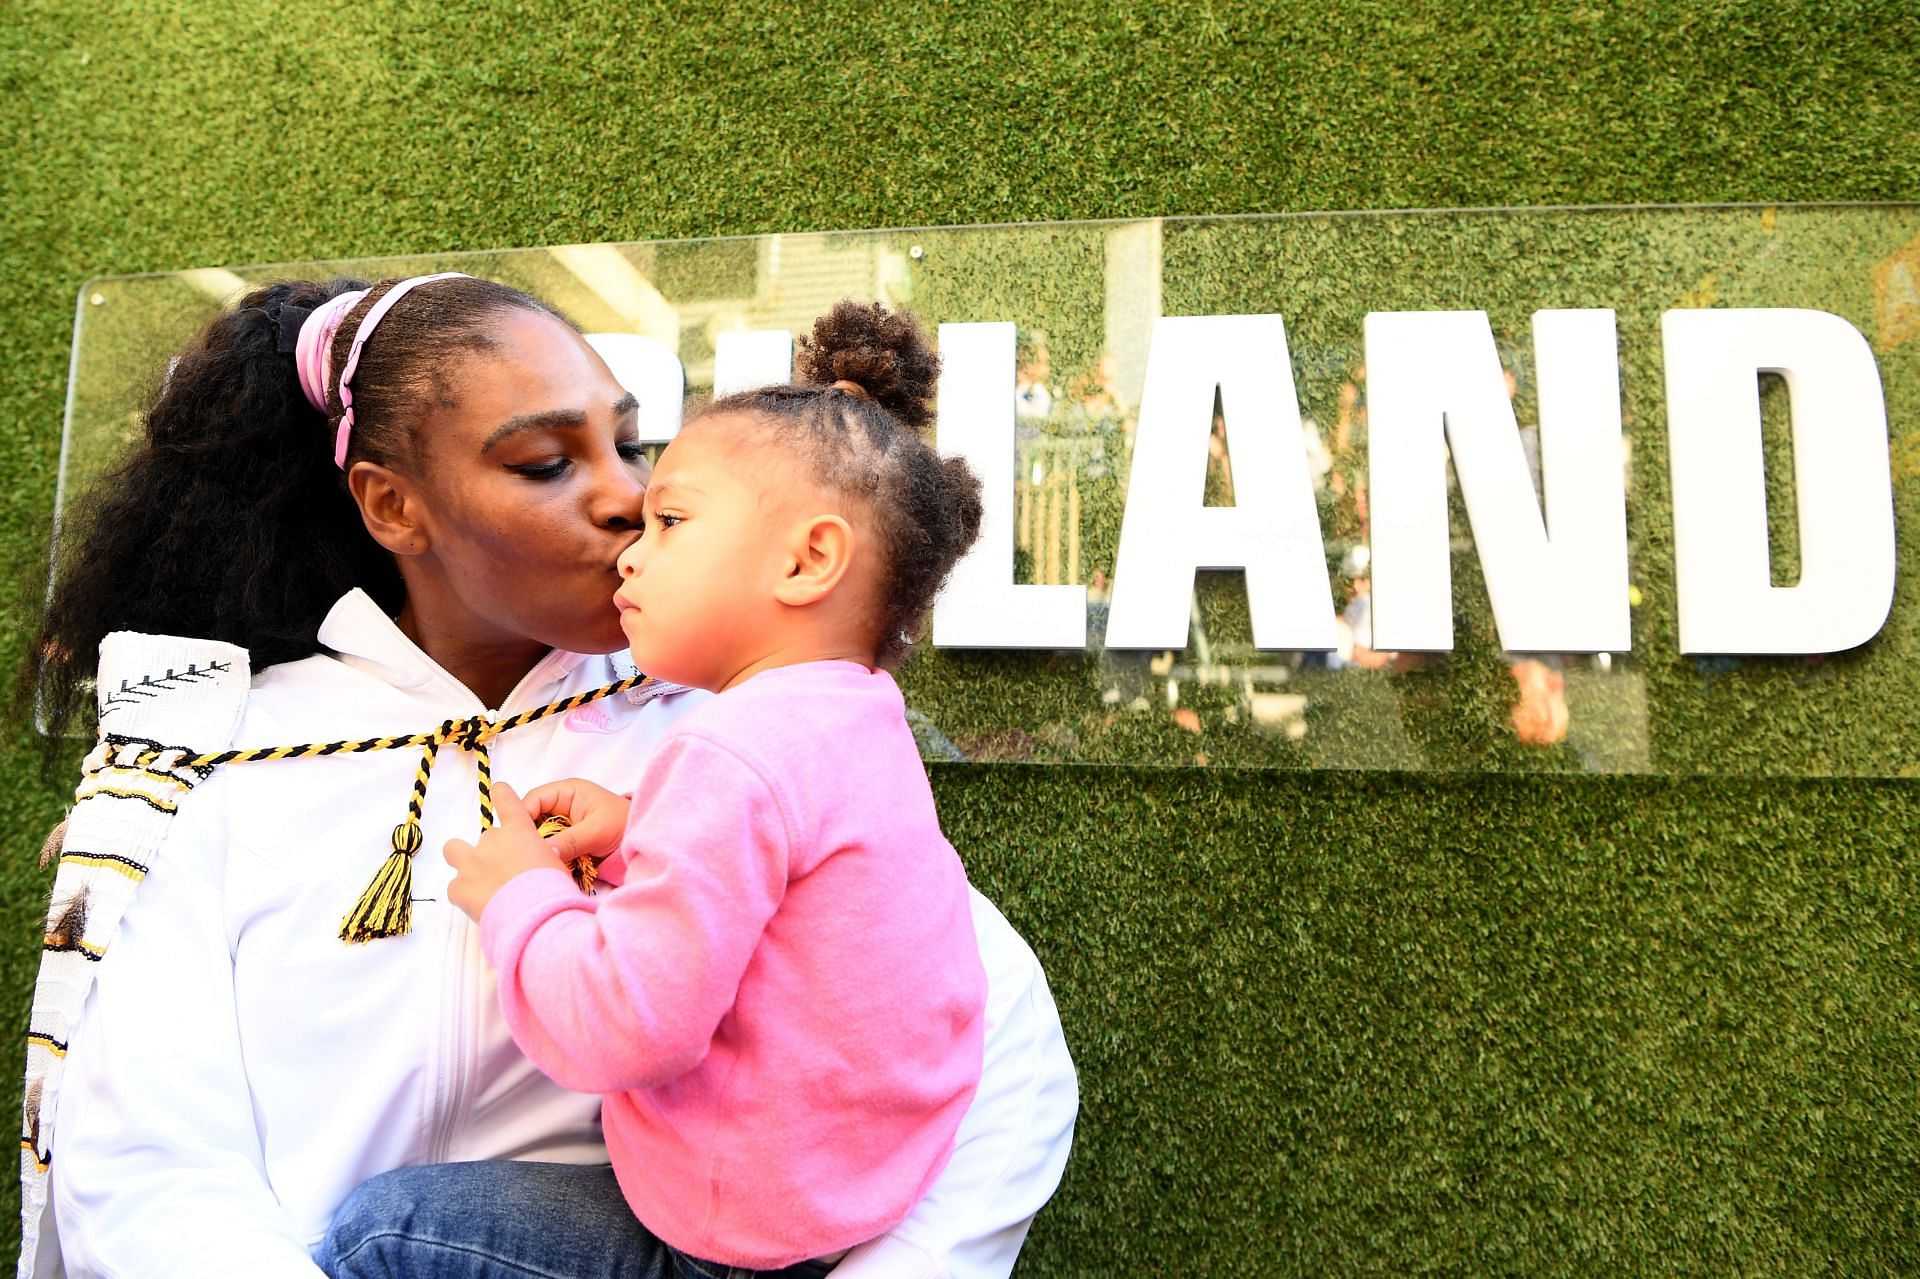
(1083, 299)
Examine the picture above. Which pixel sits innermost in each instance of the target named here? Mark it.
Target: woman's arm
(1012, 1144)
(157, 1166)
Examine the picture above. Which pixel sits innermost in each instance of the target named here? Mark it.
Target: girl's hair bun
(882, 352)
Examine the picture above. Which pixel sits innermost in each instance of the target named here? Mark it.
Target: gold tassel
(386, 908)
(585, 873)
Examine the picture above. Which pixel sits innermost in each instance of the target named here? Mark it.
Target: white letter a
(1272, 531)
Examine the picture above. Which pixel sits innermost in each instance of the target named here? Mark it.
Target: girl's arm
(157, 1165)
(1012, 1144)
(625, 991)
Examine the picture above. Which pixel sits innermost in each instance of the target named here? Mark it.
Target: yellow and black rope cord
(386, 908)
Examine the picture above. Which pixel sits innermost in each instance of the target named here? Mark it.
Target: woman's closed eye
(548, 470)
(630, 451)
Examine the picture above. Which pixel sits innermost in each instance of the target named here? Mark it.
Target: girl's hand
(598, 815)
(512, 846)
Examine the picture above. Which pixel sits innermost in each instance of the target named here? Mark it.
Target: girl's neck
(799, 651)
(489, 668)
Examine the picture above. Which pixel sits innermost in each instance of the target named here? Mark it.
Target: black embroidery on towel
(187, 774)
(81, 855)
(115, 792)
(146, 687)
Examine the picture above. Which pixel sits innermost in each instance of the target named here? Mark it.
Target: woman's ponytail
(228, 522)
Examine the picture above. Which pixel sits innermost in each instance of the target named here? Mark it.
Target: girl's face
(531, 481)
(698, 602)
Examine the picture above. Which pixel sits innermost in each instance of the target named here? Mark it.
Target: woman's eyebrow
(552, 419)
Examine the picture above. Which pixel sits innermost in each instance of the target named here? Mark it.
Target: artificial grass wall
(1326, 1023)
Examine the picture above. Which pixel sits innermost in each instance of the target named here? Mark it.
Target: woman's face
(531, 480)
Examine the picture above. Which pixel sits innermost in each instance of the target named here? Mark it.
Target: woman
(238, 1070)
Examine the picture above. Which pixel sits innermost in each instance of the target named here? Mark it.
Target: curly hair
(865, 443)
(229, 521)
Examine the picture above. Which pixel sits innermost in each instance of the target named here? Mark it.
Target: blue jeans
(500, 1219)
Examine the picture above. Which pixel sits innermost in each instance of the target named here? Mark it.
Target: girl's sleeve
(157, 1166)
(1012, 1144)
(625, 990)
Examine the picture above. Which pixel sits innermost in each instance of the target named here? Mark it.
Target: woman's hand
(512, 846)
(598, 815)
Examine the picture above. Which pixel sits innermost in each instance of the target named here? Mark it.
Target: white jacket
(238, 1069)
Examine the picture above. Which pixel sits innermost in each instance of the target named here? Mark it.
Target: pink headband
(313, 353)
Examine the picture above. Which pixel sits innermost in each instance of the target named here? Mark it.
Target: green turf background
(1326, 1023)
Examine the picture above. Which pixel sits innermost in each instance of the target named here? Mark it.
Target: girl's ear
(390, 507)
(819, 551)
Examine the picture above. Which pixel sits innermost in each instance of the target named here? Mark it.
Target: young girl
(780, 992)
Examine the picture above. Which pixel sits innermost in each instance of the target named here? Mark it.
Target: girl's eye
(667, 521)
(553, 470)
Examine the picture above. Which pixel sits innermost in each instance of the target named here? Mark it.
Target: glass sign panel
(1589, 490)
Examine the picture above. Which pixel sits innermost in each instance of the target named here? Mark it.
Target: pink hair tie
(313, 352)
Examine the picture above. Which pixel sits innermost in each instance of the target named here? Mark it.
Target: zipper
(459, 1018)
(453, 1082)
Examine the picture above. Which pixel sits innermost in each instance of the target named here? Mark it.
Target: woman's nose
(618, 499)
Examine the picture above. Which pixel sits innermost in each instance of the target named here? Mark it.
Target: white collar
(361, 634)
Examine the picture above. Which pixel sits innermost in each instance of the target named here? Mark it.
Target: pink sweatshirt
(781, 994)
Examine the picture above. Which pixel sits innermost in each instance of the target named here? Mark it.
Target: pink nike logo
(590, 718)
